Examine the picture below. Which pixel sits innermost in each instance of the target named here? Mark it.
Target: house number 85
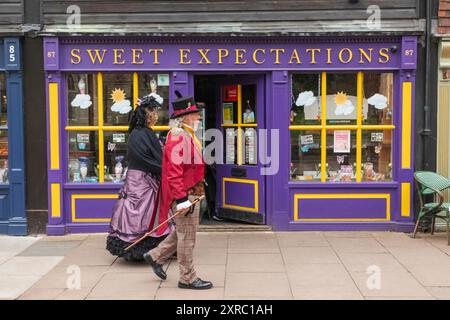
(12, 54)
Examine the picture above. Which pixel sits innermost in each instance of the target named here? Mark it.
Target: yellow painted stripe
(312, 128)
(135, 89)
(54, 125)
(240, 153)
(386, 197)
(82, 128)
(89, 196)
(56, 200)
(256, 193)
(324, 130)
(101, 147)
(406, 125)
(360, 89)
(406, 199)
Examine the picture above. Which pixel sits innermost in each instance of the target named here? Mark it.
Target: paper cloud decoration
(82, 101)
(122, 107)
(306, 99)
(379, 101)
(345, 109)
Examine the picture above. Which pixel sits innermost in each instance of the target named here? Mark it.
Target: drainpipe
(426, 131)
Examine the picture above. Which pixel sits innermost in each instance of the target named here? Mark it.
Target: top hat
(183, 106)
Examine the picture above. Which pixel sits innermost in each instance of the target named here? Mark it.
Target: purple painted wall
(247, 56)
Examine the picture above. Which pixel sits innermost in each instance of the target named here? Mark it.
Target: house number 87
(51, 54)
(409, 53)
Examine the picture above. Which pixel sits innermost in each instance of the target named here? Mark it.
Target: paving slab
(306, 239)
(362, 261)
(357, 245)
(261, 242)
(50, 248)
(126, 286)
(255, 262)
(12, 287)
(16, 245)
(63, 277)
(314, 255)
(440, 293)
(74, 294)
(41, 294)
(29, 266)
(392, 284)
(247, 285)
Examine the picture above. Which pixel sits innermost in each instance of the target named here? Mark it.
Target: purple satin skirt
(136, 211)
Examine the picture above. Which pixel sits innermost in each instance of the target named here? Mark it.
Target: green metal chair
(430, 183)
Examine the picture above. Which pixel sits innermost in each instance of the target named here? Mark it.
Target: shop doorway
(234, 104)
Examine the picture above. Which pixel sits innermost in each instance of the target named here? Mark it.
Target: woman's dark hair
(140, 115)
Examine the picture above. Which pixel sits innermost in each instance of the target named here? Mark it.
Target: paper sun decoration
(120, 105)
(306, 99)
(344, 105)
(379, 101)
(82, 100)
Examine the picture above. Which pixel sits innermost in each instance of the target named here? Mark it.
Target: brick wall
(444, 17)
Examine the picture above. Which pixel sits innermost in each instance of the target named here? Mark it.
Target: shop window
(157, 83)
(117, 98)
(116, 161)
(239, 120)
(306, 156)
(99, 108)
(378, 106)
(351, 141)
(82, 100)
(341, 99)
(83, 156)
(377, 155)
(305, 108)
(4, 152)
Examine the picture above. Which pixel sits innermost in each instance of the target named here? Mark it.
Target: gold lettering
(295, 56)
(255, 58)
(363, 54)
(204, 54)
(184, 56)
(156, 53)
(97, 55)
(239, 56)
(137, 55)
(75, 54)
(384, 52)
(329, 56)
(341, 55)
(118, 55)
(222, 53)
(313, 54)
(277, 54)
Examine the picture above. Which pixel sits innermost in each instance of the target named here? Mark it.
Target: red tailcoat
(182, 168)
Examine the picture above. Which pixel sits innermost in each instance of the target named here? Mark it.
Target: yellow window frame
(359, 127)
(101, 128)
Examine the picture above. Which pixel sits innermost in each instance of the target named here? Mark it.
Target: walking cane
(156, 228)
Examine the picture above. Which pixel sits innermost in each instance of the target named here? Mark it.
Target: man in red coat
(182, 182)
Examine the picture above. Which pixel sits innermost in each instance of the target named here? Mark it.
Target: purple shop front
(316, 132)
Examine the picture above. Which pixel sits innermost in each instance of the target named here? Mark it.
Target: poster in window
(83, 137)
(250, 146)
(228, 111)
(230, 93)
(119, 137)
(163, 80)
(230, 146)
(342, 141)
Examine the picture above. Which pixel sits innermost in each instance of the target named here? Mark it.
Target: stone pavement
(259, 265)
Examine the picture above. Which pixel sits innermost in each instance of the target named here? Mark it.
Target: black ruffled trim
(117, 247)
